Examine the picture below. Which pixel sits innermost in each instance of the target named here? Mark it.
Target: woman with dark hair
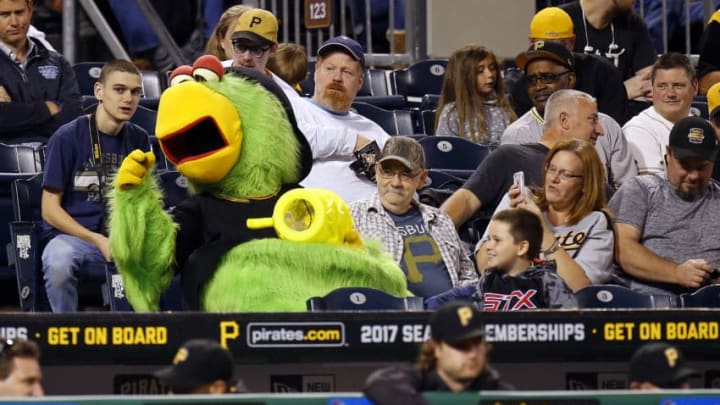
(473, 104)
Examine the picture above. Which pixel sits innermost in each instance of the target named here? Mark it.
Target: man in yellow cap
(254, 40)
(594, 75)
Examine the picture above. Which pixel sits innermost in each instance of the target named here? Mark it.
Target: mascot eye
(207, 68)
(181, 74)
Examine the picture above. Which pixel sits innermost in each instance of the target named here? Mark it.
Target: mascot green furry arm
(234, 137)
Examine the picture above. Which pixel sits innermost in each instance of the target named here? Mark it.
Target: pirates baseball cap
(257, 25)
(551, 23)
(196, 363)
(405, 150)
(551, 50)
(343, 44)
(693, 137)
(660, 364)
(456, 321)
(713, 100)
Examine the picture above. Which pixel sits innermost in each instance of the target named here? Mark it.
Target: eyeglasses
(255, 50)
(545, 78)
(551, 170)
(405, 175)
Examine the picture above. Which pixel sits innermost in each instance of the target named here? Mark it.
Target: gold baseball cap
(257, 25)
(713, 100)
(551, 23)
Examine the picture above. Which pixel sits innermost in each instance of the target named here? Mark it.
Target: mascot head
(202, 128)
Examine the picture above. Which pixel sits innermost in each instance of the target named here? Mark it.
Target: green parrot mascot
(248, 238)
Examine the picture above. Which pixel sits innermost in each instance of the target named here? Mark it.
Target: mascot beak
(199, 131)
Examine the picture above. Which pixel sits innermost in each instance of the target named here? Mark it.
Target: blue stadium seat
(428, 121)
(26, 251)
(152, 83)
(307, 86)
(87, 73)
(705, 297)
(699, 107)
(375, 83)
(394, 122)
(453, 153)
(615, 296)
(174, 186)
(146, 118)
(363, 299)
(441, 179)
(421, 78)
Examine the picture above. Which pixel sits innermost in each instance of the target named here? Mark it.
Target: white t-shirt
(648, 134)
(332, 138)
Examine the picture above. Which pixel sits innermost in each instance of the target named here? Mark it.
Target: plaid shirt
(373, 222)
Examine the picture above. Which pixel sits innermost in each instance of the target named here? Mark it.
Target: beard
(690, 194)
(337, 97)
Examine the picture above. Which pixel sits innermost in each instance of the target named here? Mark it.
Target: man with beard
(454, 359)
(420, 238)
(333, 131)
(666, 227)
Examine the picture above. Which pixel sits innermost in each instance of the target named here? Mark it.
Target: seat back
(375, 83)
(615, 296)
(26, 196)
(452, 153)
(363, 299)
(16, 159)
(705, 297)
(394, 122)
(428, 120)
(699, 107)
(174, 187)
(146, 118)
(421, 78)
(87, 73)
(152, 83)
(161, 162)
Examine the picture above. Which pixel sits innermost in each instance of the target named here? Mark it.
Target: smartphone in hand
(519, 180)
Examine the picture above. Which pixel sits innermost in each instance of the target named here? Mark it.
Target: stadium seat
(363, 299)
(375, 83)
(174, 187)
(615, 296)
(705, 297)
(421, 78)
(453, 153)
(161, 163)
(87, 73)
(699, 107)
(26, 252)
(307, 86)
(146, 118)
(394, 122)
(428, 121)
(152, 83)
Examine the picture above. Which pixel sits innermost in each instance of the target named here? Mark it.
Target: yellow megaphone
(311, 215)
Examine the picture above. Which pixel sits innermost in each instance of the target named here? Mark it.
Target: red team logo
(493, 302)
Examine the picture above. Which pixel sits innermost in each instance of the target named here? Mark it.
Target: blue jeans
(64, 261)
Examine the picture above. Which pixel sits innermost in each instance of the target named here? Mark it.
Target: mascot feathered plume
(234, 137)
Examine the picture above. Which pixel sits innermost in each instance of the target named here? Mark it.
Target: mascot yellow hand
(134, 168)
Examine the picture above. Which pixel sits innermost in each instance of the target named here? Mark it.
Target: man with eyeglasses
(593, 74)
(666, 226)
(254, 40)
(338, 136)
(20, 374)
(569, 114)
(453, 359)
(549, 67)
(421, 238)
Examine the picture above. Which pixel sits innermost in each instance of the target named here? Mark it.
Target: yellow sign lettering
(619, 331)
(95, 335)
(63, 336)
(229, 330)
(140, 335)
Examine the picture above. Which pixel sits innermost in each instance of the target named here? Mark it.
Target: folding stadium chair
(146, 118)
(394, 122)
(363, 299)
(152, 83)
(428, 120)
(26, 251)
(421, 78)
(615, 296)
(87, 73)
(375, 83)
(705, 297)
(450, 153)
(174, 187)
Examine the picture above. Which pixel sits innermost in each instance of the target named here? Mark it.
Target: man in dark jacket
(38, 89)
(454, 359)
